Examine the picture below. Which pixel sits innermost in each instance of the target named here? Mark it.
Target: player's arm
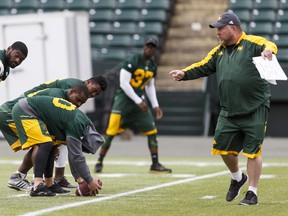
(77, 161)
(125, 77)
(151, 94)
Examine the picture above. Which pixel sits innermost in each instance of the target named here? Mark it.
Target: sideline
(70, 205)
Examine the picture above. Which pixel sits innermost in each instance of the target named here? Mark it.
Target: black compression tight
(42, 158)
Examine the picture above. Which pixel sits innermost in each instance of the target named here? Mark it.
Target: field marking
(70, 205)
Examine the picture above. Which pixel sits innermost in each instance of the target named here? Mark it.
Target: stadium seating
(154, 15)
(241, 4)
(115, 40)
(158, 4)
(78, 5)
(52, 5)
(131, 4)
(127, 15)
(281, 28)
(281, 40)
(104, 4)
(263, 16)
(6, 4)
(263, 28)
(266, 4)
(100, 27)
(282, 55)
(101, 15)
(113, 23)
(98, 40)
(282, 15)
(114, 54)
(244, 15)
(283, 4)
(268, 18)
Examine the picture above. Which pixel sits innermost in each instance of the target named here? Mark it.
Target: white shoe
(17, 183)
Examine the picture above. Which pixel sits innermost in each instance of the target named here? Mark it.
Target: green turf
(194, 197)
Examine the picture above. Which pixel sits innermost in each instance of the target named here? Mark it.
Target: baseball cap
(227, 18)
(152, 40)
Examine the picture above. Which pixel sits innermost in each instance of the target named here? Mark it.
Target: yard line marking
(70, 205)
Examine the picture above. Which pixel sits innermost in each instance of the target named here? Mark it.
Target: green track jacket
(241, 89)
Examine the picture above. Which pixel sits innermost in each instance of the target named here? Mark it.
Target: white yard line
(70, 205)
(114, 196)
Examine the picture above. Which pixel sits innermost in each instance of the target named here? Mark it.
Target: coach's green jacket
(241, 89)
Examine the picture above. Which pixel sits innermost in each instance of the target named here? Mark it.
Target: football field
(197, 185)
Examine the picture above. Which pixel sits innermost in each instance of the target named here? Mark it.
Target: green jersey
(64, 121)
(61, 117)
(241, 89)
(142, 72)
(4, 68)
(6, 122)
(59, 83)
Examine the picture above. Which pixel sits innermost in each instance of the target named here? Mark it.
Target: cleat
(159, 168)
(235, 187)
(63, 182)
(250, 199)
(41, 190)
(98, 167)
(17, 183)
(56, 188)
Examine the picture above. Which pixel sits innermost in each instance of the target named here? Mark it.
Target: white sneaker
(17, 183)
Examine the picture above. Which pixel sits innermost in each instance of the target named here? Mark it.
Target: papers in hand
(269, 70)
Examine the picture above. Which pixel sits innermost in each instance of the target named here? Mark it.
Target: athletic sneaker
(98, 167)
(41, 190)
(17, 183)
(159, 168)
(235, 187)
(63, 182)
(250, 199)
(56, 188)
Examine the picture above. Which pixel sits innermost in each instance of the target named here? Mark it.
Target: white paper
(269, 70)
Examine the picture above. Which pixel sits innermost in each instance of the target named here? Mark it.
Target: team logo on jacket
(239, 48)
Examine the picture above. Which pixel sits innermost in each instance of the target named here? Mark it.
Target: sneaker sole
(17, 188)
(67, 186)
(160, 171)
(245, 204)
(42, 194)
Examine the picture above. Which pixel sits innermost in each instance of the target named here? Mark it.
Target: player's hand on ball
(91, 189)
(95, 186)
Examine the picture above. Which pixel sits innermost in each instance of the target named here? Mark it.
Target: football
(83, 189)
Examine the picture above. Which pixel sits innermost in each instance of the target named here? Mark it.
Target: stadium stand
(116, 17)
(267, 18)
(52, 5)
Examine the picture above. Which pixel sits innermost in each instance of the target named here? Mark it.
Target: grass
(192, 189)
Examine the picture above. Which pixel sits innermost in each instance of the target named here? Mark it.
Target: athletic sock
(154, 158)
(237, 175)
(253, 189)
